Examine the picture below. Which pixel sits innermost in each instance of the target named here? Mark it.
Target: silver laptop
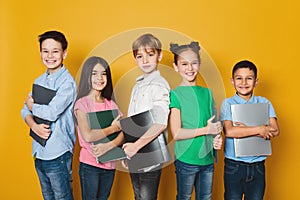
(251, 115)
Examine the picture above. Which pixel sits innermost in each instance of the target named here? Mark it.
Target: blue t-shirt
(226, 115)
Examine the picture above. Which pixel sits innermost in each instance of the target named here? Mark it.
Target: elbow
(229, 133)
(175, 135)
(89, 140)
(86, 137)
(159, 128)
(163, 128)
(52, 117)
(276, 133)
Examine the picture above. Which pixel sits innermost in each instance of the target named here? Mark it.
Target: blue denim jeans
(189, 176)
(56, 177)
(145, 185)
(246, 179)
(95, 182)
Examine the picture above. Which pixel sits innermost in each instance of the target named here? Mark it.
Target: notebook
(103, 119)
(154, 153)
(251, 115)
(42, 96)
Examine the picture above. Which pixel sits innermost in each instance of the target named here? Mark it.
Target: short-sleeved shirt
(59, 111)
(196, 107)
(86, 105)
(227, 115)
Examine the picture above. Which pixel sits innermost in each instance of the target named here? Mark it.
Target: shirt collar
(243, 101)
(56, 74)
(150, 77)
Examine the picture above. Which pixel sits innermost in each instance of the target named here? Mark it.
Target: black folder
(43, 96)
(154, 153)
(100, 120)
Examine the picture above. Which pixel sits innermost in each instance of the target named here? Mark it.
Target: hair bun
(173, 47)
(195, 45)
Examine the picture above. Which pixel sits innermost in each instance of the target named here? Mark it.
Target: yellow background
(266, 32)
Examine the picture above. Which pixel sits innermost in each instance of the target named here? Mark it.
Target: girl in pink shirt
(95, 93)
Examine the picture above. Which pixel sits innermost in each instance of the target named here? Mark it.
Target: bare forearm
(29, 120)
(92, 135)
(118, 140)
(151, 134)
(240, 132)
(184, 133)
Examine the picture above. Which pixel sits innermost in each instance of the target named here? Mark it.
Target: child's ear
(232, 82)
(160, 56)
(256, 82)
(65, 54)
(175, 67)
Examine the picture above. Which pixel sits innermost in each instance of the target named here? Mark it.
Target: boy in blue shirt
(245, 175)
(53, 162)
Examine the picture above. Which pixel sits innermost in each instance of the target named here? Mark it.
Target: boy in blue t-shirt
(245, 175)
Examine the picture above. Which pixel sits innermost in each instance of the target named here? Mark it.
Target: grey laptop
(251, 115)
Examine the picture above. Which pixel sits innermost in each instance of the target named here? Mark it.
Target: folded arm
(102, 148)
(132, 148)
(42, 130)
(241, 130)
(92, 135)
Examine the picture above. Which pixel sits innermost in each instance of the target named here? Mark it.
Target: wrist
(202, 131)
(205, 130)
(114, 128)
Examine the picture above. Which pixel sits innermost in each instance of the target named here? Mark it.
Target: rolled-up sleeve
(25, 111)
(161, 103)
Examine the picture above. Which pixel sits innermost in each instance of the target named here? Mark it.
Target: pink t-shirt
(85, 104)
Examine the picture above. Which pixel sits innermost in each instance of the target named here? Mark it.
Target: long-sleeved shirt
(58, 111)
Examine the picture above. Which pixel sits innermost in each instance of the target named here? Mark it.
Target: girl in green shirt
(192, 126)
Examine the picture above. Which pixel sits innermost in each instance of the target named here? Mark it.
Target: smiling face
(147, 59)
(98, 78)
(188, 66)
(244, 82)
(52, 55)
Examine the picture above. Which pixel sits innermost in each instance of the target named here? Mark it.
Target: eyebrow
(243, 76)
(147, 50)
(44, 48)
(94, 70)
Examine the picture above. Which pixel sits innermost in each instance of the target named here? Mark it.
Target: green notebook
(103, 119)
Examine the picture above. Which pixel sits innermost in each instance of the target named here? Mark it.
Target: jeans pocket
(231, 168)
(260, 169)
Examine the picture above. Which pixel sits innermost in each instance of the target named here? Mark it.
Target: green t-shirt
(196, 107)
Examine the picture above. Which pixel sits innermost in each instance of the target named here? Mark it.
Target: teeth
(190, 73)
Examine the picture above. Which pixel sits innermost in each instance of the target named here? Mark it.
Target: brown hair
(144, 41)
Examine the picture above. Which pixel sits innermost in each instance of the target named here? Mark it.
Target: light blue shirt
(226, 115)
(59, 111)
